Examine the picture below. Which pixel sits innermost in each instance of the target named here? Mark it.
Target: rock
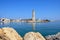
(2, 36)
(33, 36)
(50, 37)
(58, 35)
(53, 37)
(9, 34)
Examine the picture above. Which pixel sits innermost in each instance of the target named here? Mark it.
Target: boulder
(53, 37)
(9, 34)
(33, 36)
(2, 36)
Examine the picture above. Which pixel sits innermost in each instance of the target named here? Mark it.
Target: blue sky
(15, 9)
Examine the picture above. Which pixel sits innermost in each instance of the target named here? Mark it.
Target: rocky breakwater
(53, 37)
(33, 36)
(9, 34)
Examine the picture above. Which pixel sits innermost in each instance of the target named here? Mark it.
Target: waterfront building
(5, 20)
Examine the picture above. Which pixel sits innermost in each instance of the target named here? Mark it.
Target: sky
(16, 9)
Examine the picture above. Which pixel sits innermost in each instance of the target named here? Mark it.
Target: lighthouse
(33, 15)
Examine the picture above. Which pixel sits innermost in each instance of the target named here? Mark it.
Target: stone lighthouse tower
(33, 15)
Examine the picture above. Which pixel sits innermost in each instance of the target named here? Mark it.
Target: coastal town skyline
(15, 9)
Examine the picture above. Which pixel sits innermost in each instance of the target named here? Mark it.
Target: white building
(5, 20)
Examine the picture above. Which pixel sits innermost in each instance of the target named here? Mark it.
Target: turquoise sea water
(44, 28)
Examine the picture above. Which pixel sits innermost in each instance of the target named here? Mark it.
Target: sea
(48, 28)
